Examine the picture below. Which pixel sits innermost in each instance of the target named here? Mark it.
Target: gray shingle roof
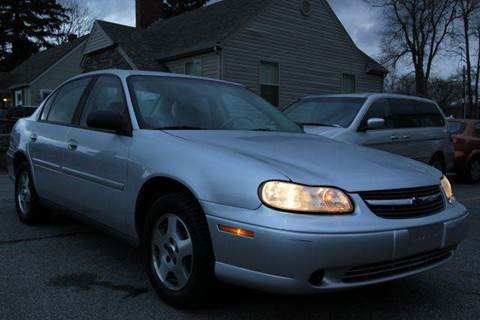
(37, 64)
(190, 32)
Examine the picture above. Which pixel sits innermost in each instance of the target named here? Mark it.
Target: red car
(466, 139)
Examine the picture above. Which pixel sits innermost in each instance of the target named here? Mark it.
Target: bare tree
(415, 30)
(79, 22)
(468, 11)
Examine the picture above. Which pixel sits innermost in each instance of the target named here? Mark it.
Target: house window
(194, 68)
(44, 93)
(18, 98)
(269, 82)
(349, 83)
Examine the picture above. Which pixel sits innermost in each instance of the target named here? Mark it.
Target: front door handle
(406, 137)
(393, 138)
(33, 137)
(72, 146)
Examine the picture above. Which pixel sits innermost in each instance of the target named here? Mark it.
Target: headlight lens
(287, 196)
(447, 189)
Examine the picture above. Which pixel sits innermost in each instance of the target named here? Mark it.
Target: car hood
(315, 160)
(328, 132)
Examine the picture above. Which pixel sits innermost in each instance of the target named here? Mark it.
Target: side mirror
(106, 120)
(375, 123)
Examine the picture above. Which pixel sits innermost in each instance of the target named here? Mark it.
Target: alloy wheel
(24, 193)
(172, 252)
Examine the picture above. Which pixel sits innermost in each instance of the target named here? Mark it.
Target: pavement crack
(55, 236)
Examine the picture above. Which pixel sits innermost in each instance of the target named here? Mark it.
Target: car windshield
(328, 112)
(167, 103)
(456, 127)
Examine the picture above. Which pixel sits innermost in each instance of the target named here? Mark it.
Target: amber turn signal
(236, 231)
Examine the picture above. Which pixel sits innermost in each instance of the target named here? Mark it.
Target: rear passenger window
(66, 101)
(404, 113)
(477, 130)
(106, 95)
(379, 109)
(429, 115)
(46, 107)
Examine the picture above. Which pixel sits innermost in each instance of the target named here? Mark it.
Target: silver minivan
(409, 126)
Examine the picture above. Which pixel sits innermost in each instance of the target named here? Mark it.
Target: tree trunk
(466, 26)
(421, 84)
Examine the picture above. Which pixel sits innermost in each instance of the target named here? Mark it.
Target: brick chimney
(148, 12)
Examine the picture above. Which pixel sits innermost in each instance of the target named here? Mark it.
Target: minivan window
(166, 103)
(379, 109)
(331, 112)
(456, 127)
(429, 115)
(66, 101)
(404, 113)
(407, 113)
(106, 95)
(477, 129)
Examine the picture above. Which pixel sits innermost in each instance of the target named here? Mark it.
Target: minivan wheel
(27, 205)
(438, 163)
(178, 252)
(473, 170)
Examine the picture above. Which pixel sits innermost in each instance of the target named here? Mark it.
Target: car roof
(127, 73)
(367, 95)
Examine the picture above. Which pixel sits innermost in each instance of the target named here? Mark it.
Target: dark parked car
(466, 139)
(15, 113)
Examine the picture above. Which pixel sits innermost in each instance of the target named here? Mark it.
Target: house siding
(210, 65)
(52, 78)
(313, 52)
(104, 59)
(97, 40)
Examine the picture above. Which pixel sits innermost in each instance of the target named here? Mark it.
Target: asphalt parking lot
(66, 270)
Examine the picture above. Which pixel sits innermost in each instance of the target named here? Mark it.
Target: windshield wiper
(179, 128)
(262, 129)
(321, 125)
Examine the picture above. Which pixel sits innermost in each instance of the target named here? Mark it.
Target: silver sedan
(215, 183)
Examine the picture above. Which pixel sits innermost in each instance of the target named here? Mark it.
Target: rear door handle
(406, 137)
(33, 137)
(393, 138)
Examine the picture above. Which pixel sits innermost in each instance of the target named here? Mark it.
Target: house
(281, 49)
(33, 80)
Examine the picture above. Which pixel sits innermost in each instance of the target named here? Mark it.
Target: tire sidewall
(202, 265)
(469, 172)
(32, 215)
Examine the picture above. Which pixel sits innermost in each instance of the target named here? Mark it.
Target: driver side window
(379, 109)
(106, 95)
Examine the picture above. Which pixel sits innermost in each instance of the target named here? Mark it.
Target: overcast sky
(362, 22)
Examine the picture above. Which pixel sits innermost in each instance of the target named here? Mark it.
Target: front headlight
(447, 189)
(287, 196)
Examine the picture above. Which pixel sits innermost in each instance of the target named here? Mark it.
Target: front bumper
(282, 258)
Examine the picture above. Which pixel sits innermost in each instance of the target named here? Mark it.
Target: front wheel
(28, 208)
(178, 251)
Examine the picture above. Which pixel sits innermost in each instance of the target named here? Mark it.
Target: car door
(387, 138)
(431, 134)
(97, 161)
(48, 139)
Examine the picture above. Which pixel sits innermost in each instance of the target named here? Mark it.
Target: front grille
(397, 267)
(405, 203)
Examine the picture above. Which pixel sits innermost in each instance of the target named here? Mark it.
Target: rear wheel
(28, 208)
(178, 252)
(438, 163)
(473, 170)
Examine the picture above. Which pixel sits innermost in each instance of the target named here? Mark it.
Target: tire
(27, 204)
(439, 163)
(179, 261)
(473, 170)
